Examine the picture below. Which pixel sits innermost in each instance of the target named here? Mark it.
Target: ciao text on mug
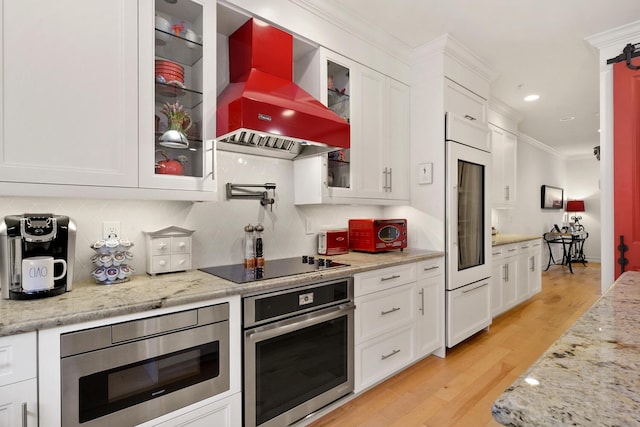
(37, 272)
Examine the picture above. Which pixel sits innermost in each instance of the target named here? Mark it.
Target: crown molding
(616, 36)
(522, 137)
(500, 107)
(448, 45)
(347, 21)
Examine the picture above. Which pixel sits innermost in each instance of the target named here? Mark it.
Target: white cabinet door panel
(59, 59)
(468, 311)
(19, 403)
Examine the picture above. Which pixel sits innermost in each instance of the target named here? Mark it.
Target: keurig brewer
(36, 255)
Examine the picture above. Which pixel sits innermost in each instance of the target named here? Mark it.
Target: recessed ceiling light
(530, 98)
(567, 119)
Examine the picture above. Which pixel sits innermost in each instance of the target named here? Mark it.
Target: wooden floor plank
(459, 390)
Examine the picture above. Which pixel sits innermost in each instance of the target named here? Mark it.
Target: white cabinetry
(70, 93)
(373, 170)
(222, 413)
(399, 318)
(18, 382)
(382, 171)
(384, 323)
(197, 58)
(504, 275)
(516, 274)
(71, 98)
(504, 158)
(468, 311)
(430, 315)
(529, 273)
(466, 116)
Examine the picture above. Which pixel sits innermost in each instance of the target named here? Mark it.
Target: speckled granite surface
(505, 239)
(591, 375)
(89, 301)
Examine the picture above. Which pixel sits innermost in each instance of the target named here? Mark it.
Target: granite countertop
(89, 301)
(505, 239)
(590, 376)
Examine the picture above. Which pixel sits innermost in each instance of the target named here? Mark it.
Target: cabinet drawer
(430, 268)
(180, 262)
(383, 312)
(383, 278)
(468, 311)
(161, 263)
(379, 358)
(180, 245)
(464, 103)
(17, 358)
(161, 246)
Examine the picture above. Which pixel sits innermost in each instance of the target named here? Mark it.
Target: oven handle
(299, 322)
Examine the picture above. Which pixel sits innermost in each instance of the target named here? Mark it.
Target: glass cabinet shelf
(177, 48)
(169, 93)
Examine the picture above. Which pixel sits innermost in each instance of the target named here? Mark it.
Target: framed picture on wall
(551, 197)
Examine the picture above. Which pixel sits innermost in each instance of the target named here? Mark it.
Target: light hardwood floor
(459, 390)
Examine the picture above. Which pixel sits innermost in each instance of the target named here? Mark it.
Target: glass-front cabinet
(336, 94)
(177, 105)
(327, 178)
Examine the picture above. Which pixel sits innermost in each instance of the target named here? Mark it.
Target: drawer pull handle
(513, 250)
(393, 353)
(468, 117)
(384, 279)
(477, 287)
(434, 267)
(382, 313)
(496, 253)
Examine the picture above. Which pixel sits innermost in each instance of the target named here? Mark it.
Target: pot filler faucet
(242, 192)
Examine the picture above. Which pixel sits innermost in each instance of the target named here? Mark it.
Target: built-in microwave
(135, 371)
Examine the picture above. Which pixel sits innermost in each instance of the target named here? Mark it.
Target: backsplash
(218, 225)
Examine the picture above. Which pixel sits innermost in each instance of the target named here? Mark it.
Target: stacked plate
(169, 71)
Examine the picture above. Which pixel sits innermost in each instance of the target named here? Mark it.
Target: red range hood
(262, 111)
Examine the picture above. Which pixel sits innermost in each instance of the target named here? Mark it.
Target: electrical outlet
(111, 229)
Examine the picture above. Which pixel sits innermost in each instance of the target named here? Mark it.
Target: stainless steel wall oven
(298, 346)
(127, 373)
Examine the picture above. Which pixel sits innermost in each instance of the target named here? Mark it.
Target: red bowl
(169, 65)
(173, 70)
(165, 70)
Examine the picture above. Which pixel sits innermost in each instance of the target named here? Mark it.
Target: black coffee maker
(35, 235)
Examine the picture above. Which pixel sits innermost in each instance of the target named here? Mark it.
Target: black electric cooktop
(272, 269)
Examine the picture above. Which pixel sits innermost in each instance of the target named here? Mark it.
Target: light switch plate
(425, 173)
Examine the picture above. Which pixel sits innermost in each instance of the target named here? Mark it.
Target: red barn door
(626, 177)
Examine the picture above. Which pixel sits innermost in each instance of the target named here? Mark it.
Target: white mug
(37, 272)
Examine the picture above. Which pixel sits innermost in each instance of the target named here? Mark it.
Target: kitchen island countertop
(89, 301)
(590, 375)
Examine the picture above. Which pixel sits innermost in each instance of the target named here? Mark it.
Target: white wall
(583, 183)
(539, 165)
(219, 225)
